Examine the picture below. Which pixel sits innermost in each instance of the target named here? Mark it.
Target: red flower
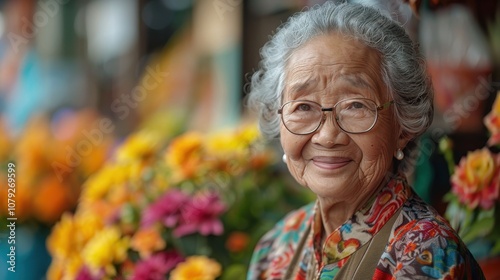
(157, 266)
(201, 214)
(167, 209)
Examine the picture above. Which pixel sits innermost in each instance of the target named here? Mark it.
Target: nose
(329, 133)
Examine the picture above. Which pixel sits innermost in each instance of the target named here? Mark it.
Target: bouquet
(52, 157)
(187, 207)
(473, 202)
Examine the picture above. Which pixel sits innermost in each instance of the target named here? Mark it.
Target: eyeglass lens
(352, 115)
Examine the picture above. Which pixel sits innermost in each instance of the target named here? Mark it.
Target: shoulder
(288, 228)
(424, 244)
(280, 240)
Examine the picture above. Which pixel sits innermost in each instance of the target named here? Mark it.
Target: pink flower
(167, 209)
(86, 274)
(492, 122)
(157, 266)
(201, 215)
(476, 179)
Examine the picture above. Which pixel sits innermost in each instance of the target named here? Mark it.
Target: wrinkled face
(332, 163)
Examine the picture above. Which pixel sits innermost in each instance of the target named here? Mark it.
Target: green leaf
(481, 226)
(496, 248)
(458, 216)
(234, 272)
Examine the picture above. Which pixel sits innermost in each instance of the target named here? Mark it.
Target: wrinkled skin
(342, 169)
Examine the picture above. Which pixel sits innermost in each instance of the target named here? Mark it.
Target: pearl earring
(399, 154)
(284, 158)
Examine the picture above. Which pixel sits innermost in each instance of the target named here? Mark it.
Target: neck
(335, 213)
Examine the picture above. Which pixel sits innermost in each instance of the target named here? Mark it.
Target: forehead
(333, 59)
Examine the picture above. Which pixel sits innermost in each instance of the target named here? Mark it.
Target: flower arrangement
(188, 207)
(55, 156)
(473, 201)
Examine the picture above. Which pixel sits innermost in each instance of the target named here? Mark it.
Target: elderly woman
(346, 90)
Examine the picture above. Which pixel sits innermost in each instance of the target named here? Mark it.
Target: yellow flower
(139, 146)
(249, 133)
(226, 144)
(61, 242)
(109, 177)
(90, 219)
(106, 248)
(65, 269)
(65, 249)
(197, 268)
(146, 241)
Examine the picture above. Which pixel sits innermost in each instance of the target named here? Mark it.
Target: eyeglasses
(356, 115)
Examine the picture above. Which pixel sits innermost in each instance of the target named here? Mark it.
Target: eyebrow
(355, 80)
(300, 86)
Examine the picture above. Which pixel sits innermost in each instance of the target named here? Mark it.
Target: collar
(362, 226)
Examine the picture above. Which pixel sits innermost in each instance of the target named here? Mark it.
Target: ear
(403, 139)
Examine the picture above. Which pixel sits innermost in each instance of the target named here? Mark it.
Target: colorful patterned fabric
(421, 245)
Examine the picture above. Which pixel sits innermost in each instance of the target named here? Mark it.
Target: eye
(356, 105)
(303, 107)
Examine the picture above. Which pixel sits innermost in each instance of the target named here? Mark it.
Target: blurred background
(78, 78)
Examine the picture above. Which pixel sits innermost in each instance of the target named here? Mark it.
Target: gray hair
(402, 65)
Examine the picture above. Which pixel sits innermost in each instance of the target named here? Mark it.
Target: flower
(492, 122)
(237, 241)
(55, 156)
(197, 268)
(65, 249)
(184, 155)
(164, 208)
(61, 197)
(141, 145)
(106, 248)
(476, 179)
(156, 266)
(201, 215)
(146, 241)
(474, 196)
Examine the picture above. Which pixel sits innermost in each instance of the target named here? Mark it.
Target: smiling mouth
(330, 163)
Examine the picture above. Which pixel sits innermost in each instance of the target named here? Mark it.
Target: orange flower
(237, 241)
(31, 150)
(197, 268)
(476, 179)
(146, 241)
(52, 199)
(5, 141)
(184, 155)
(492, 122)
(23, 197)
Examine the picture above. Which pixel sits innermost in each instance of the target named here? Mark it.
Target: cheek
(377, 150)
(293, 146)
(379, 147)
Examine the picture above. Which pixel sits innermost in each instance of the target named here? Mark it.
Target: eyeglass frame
(332, 109)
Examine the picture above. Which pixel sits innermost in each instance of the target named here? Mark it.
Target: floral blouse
(421, 245)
